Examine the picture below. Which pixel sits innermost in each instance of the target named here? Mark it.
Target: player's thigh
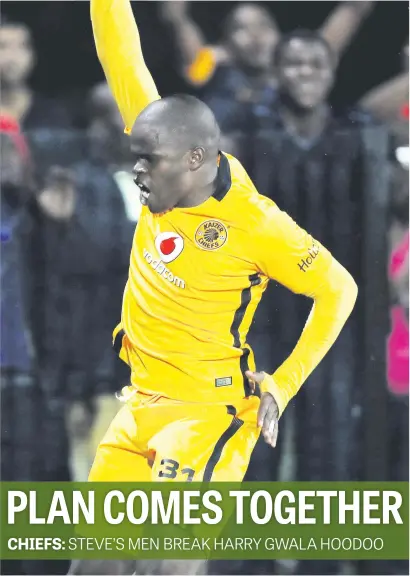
(119, 458)
(229, 459)
(212, 444)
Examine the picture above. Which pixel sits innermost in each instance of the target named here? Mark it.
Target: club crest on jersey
(169, 246)
(211, 235)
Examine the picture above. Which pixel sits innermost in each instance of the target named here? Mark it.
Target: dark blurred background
(312, 97)
(67, 61)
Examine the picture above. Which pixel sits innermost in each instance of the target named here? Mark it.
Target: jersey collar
(223, 178)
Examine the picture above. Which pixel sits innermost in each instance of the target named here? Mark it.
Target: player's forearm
(343, 23)
(333, 303)
(119, 50)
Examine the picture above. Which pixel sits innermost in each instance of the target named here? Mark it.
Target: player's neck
(307, 124)
(204, 190)
(197, 197)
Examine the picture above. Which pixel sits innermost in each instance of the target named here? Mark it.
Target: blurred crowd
(68, 213)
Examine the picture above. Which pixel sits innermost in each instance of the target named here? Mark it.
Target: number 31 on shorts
(170, 469)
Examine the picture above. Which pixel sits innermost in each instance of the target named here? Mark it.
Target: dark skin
(170, 169)
(268, 411)
(172, 172)
(252, 37)
(305, 73)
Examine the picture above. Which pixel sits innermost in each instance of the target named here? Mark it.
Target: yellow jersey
(197, 274)
(196, 277)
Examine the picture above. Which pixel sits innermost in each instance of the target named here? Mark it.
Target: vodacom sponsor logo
(169, 246)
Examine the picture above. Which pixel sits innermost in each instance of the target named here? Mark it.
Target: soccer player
(204, 250)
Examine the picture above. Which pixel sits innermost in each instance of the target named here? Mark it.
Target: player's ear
(196, 158)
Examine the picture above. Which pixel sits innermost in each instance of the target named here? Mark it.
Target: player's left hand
(268, 413)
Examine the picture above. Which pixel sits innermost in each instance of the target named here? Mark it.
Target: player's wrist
(269, 385)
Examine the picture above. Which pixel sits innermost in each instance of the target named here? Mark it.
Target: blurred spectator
(250, 36)
(23, 410)
(112, 148)
(314, 164)
(238, 72)
(20, 393)
(108, 215)
(390, 101)
(71, 267)
(17, 99)
(398, 341)
(398, 374)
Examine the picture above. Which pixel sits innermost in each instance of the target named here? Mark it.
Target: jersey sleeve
(118, 47)
(286, 253)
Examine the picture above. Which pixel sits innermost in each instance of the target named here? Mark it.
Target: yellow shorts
(158, 439)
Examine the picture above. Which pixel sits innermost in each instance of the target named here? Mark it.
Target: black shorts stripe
(117, 344)
(254, 280)
(219, 446)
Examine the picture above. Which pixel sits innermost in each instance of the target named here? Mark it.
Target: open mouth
(144, 192)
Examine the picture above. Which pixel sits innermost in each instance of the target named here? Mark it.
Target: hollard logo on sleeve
(306, 262)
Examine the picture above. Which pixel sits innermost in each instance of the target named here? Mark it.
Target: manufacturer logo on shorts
(220, 382)
(169, 246)
(211, 235)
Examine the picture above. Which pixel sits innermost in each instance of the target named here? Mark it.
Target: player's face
(16, 54)
(305, 72)
(161, 173)
(252, 37)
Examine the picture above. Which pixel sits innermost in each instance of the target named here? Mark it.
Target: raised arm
(343, 23)
(119, 50)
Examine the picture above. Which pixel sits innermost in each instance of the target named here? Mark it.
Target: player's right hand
(268, 412)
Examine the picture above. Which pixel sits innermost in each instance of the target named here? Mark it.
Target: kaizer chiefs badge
(211, 235)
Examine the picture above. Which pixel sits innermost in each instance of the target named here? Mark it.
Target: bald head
(181, 122)
(175, 142)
